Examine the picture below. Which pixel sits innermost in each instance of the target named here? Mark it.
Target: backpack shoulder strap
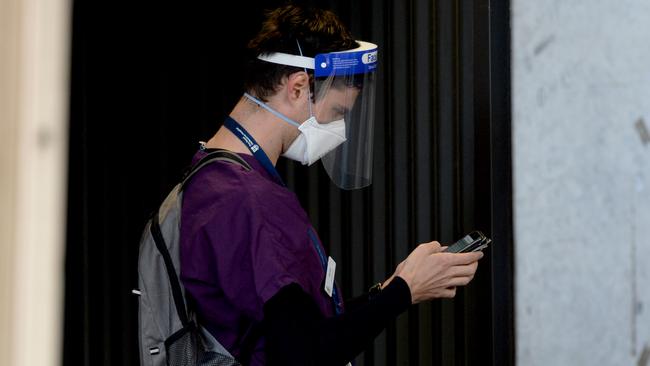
(177, 293)
(156, 232)
(214, 155)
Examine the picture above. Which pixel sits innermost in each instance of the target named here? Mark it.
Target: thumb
(434, 247)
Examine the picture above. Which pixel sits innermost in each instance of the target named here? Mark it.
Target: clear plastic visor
(344, 88)
(350, 98)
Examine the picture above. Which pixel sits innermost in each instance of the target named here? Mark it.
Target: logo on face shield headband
(369, 58)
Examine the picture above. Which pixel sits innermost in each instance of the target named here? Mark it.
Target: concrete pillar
(581, 150)
(34, 63)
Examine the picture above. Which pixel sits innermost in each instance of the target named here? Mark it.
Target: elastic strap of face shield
(308, 81)
(287, 59)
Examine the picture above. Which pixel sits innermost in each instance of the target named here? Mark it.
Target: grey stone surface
(581, 99)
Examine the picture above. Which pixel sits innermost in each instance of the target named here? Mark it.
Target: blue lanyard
(254, 147)
(335, 294)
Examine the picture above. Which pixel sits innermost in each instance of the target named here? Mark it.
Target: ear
(297, 86)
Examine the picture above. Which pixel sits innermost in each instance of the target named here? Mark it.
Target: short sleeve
(274, 263)
(251, 259)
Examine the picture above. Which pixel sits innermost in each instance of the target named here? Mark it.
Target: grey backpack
(168, 331)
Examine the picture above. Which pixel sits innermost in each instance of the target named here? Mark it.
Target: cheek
(322, 112)
(328, 116)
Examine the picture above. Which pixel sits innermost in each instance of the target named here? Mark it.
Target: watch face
(374, 290)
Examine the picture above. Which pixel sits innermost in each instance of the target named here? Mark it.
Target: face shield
(344, 92)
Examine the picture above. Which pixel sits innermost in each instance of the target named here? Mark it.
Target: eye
(341, 111)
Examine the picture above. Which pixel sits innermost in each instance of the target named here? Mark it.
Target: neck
(269, 131)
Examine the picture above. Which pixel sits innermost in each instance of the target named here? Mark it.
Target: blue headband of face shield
(360, 60)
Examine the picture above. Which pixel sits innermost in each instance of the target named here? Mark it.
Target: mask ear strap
(272, 111)
(308, 88)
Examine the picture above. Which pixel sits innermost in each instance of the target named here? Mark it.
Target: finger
(432, 246)
(460, 281)
(449, 292)
(437, 249)
(465, 258)
(464, 270)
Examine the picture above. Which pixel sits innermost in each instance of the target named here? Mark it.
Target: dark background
(150, 81)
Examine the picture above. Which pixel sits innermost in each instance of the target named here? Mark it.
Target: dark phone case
(471, 242)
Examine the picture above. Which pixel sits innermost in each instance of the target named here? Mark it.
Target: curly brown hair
(317, 31)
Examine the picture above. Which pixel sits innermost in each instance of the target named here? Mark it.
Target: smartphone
(471, 242)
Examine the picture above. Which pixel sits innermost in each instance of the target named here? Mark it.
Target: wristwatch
(374, 290)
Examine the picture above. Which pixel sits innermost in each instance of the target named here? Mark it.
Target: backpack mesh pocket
(185, 348)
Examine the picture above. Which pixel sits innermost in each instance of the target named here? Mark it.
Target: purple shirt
(243, 238)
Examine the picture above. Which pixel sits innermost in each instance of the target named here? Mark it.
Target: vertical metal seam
(456, 119)
(412, 124)
(391, 354)
(431, 96)
(435, 171)
(502, 10)
(460, 344)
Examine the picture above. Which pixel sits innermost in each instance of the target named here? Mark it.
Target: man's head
(306, 69)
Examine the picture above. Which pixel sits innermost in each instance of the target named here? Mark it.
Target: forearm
(297, 335)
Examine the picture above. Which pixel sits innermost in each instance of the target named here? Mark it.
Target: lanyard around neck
(259, 154)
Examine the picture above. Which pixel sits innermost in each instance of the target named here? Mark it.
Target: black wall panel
(148, 82)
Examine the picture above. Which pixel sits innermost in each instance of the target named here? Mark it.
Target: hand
(431, 273)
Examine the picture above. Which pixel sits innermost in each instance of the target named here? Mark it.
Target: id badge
(329, 276)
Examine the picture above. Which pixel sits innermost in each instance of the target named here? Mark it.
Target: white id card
(329, 276)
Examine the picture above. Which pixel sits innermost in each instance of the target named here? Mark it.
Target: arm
(296, 333)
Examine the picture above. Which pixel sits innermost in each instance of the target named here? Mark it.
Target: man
(251, 262)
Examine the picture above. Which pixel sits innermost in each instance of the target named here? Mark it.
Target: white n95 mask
(315, 140)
